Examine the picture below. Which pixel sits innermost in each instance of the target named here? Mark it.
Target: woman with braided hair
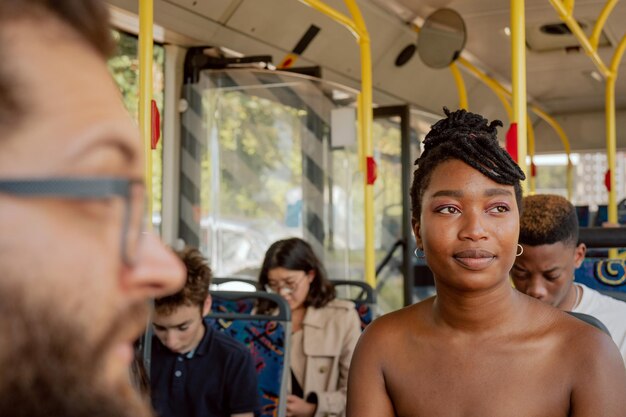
(479, 347)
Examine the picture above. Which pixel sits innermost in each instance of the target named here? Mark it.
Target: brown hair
(297, 255)
(548, 219)
(89, 19)
(196, 289)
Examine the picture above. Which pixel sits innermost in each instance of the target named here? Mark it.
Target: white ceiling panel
(217, 10)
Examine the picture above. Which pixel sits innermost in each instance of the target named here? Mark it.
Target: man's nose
(537, 289)
(158, 271)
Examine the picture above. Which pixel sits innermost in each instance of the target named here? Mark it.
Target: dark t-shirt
(217, 380)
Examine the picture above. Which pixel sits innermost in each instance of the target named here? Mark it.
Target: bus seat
(590, 320)
(605, 275)
(267, 338)
(582, 212)
(234, 284)
(365, 300)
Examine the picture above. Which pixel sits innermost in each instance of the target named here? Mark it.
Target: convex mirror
(441, 38)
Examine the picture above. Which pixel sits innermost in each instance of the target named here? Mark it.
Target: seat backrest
(234, 284)
(364, 301)
(267, 338)
(605, 275)
(590, 320)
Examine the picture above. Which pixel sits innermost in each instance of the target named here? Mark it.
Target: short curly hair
(469, 138)
(548, 219)
(196, 288)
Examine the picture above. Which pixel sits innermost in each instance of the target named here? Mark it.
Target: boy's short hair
(548, 219)
(196, 288)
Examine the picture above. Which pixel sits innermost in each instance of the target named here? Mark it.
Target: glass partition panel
(258, 165)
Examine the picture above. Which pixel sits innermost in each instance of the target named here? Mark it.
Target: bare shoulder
(387, 331)
(594, 366)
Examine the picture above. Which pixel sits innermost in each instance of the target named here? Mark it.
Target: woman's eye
(183, 328)
(501, 208)
(448, 210)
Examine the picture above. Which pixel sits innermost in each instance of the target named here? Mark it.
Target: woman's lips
(474, 259)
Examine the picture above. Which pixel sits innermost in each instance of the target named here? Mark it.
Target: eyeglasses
(132, 191)
(287, 287)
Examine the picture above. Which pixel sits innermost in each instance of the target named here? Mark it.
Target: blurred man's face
(546, 272)
(65, 290)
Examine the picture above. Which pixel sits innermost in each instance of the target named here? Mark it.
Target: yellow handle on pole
(146, 12)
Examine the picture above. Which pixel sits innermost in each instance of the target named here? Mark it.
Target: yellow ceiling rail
(518, 79)
(569, 5)
(460, 86)
(594, 39)
(495, 86)
(358, 28)
(565, 141)
(573, 25)
(146, 19)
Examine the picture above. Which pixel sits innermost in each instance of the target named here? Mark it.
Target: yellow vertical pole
(518, 52)
(366, 138)
(460, 86)
(146, 12)
(611, 142)
(594, 39)
(531, 152)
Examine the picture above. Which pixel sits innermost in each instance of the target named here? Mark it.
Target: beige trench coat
(330, 334)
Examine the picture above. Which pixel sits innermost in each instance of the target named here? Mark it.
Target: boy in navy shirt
(197, 371)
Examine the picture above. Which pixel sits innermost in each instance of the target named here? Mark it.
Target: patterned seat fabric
(605, 275)
(222, 305)
(365, 313)
(266, 342)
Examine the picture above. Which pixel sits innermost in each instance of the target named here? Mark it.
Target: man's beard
(46, 369)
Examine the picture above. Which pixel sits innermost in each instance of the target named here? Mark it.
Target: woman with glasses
(324, 330)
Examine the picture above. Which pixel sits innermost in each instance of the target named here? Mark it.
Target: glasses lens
(136, 221)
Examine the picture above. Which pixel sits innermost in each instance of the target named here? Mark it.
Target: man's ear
(206, 308)
(579, 254)
(416, 233)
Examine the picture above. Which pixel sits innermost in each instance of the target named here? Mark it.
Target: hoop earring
(419, 253)
(521, 250)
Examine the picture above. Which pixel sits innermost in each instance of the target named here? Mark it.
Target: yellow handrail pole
(594, 39)
(611, 144)
(460, 86)
(496, 87)
(565, 141)
(569, 5)
(518, 78)
(334, 14)
(357, 26)
(531, 152)
(146, 13)
(368, 144)
(573, 25)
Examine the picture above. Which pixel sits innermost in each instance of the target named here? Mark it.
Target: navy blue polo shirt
(216, 380)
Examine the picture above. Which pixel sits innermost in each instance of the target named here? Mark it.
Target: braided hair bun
(471, 139)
